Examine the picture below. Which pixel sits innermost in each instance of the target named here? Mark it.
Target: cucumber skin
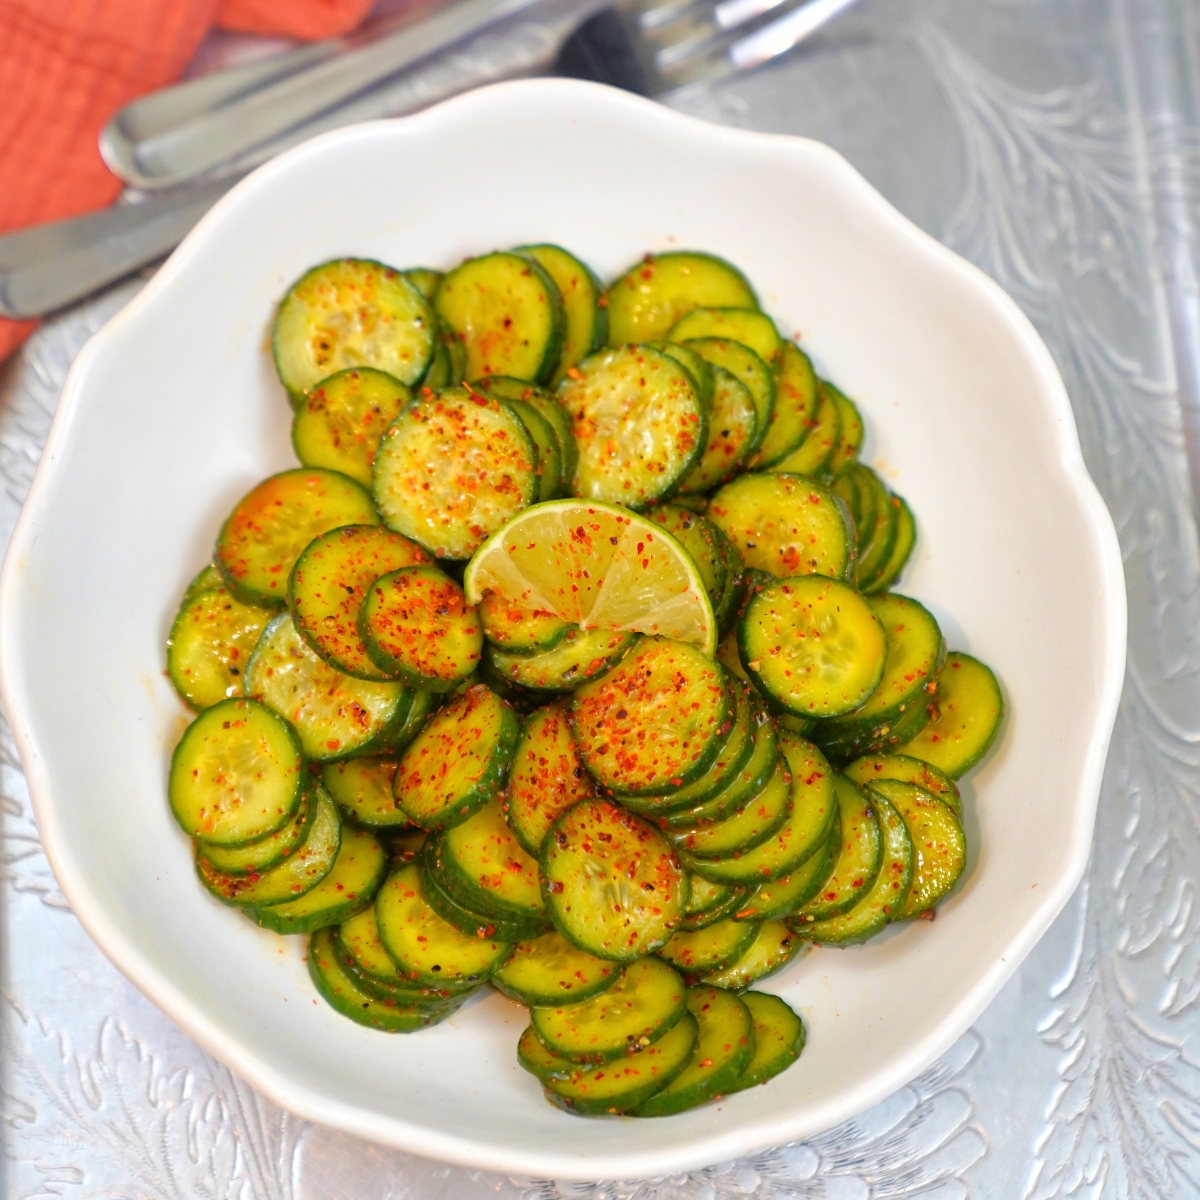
(466, 920)
(774, 1066)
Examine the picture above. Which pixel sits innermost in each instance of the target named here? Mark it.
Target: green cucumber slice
(859, 858)
(329, 583)
(334, 714)
(451, 469)
(813, 454)
(357, 943)
(655, 720)
(783, 897)
(612, 884)
(701, 539)
(299, 873)
(874, 767)
(732, 432)
(795, 404)
(620, 1086)
(433, 1001)
(547, 971)
(338, 424)
(542, 1063)
(785, 525)
(778, 1039)
(888, 894)
(424, 279)
(210, 643)
(504, 387)
(850, 431)
(643, 1005)
(267, 853)
(724, 1048)
(774, 946)
(508, 314)
(709, 949)
(709, 903)
(638, 422)
(697, 368)
(207, 578)
(416, 625)
(656, 292)
(815, 647)
(427, 950)
(455, 910)
(546, 778)
(270, 526)
(518, 630)
(750, 371)
(545, 440)
(349, 887)
(362, 789)
(459, 761)
(902, 548)
(351, 312)
(877, 539)
(237, 774)
(581, 655)
(748, 326)
(585, 317)
(970, 707)
(742, 831)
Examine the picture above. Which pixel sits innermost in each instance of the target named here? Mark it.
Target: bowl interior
(173, 411)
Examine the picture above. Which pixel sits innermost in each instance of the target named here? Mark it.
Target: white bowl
(172, 411)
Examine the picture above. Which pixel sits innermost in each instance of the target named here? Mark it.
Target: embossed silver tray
(1054, 143)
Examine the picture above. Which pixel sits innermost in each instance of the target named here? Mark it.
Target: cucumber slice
(780, 898)
(701, 539)
(454, 910)
(547, 777)
(874, 767)
(812, 456)
(915, 653)
(484, 864)
(585, 318)
(210, 643)
(416, 624)
(636, 1011)
(749, 370)
(299, 873)
(543, 1063)
(334, 714)
(774, 946)
(621, 1086)
(267, 853)
(902, 547)
(581, 655)
(423, 704)
(742, 831)
(432, 1001)
(708, 949)
(938, 841)
(709, 902)
(519, 630)
(270, 526)
(425, 280)
(696, 367)
(357, 945)
(206, 579)
(799, 838)
(849, 487)
(859, 859)
(850, 431)
(504, 387)
(346, 996)
(876, 539)
(406, 846)
(638, 422)
(362, 789)
(785, 525)
(969, 710)
(545, 440)
(654, 293)
(459, 761)
(611, 883)
(329, 583)
(655, 720)
(427, 950)
(888, 894)
(237, 774)
(795, 406)
(508, 314)
(732, 431)
(338, 424)
(547, 971)
(350, 886)
(451, 469)
(351, 312)
(748, 326)
(724, 1048)
(778, 1039)
(816, 647)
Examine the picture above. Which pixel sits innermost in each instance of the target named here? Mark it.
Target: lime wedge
(598, 566)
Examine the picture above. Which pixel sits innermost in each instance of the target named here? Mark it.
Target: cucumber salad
(568, 661)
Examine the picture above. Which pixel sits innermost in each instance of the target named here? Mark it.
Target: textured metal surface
(1054, 143)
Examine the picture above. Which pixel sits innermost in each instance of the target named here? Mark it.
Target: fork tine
(779, 36)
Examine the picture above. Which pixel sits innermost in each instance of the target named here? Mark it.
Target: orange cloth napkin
(67, 65)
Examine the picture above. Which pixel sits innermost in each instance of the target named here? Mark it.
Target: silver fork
(195, 140)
